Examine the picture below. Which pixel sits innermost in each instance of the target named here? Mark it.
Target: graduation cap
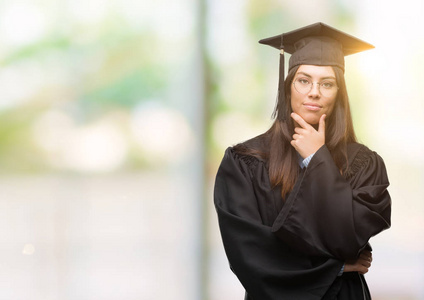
(317, 44)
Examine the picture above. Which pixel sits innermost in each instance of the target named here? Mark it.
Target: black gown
(296, 249)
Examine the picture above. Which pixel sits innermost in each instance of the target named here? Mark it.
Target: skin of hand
(306, 139)
(361, 264)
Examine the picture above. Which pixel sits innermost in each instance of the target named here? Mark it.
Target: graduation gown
(295, 249)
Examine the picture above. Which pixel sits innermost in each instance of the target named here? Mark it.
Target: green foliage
(17, 151)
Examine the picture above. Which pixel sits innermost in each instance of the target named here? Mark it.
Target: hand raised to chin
(307, 140)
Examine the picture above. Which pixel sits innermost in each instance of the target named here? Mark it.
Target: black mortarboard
(316, 44)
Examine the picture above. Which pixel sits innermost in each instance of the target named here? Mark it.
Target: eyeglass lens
(304, 85)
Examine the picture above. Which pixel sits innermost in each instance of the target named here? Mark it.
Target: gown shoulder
(251, 152)
(363, 160)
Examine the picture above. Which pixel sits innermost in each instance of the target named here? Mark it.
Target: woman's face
(311, 105)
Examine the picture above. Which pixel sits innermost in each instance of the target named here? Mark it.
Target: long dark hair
(283, 165)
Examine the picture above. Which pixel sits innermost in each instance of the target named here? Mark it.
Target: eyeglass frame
(312, 86)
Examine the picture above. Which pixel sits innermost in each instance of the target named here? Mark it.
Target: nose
(314, 92)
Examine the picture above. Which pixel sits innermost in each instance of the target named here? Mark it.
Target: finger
(321, 127)
(296, 136)
(362, 268)
(365, 263)
(299, 120)
(363, 259)
(363, 271)
(299, 130)
(366, 255)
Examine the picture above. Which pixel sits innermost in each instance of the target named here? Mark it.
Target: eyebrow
(307, 75)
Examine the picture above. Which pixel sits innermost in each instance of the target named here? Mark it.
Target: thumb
(321, 127)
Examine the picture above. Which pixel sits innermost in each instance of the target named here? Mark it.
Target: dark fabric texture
(295, 250)
(346, 42)
(318, 51)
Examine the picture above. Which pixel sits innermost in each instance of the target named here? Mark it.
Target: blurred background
(114, 116)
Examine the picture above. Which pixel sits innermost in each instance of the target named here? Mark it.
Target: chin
(311, 120)
(315, 122)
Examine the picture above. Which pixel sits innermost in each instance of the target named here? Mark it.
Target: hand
(307, 140)
(361, 264)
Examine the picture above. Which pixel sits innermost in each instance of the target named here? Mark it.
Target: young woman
(298, 204)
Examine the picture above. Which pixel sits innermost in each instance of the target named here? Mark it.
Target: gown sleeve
(265, 265)
(333, 215)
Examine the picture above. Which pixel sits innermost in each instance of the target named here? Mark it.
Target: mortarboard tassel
(281, 96)
(279, 110)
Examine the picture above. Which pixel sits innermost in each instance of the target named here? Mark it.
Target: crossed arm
(307, 140)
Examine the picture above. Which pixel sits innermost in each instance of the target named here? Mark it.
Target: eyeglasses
(327, 88)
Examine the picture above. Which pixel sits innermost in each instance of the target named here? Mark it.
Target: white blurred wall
(102, 237)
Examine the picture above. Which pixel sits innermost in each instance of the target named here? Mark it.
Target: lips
(312, 106)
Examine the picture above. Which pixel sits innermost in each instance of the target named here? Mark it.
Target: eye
(328, 84)
(303, 81)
